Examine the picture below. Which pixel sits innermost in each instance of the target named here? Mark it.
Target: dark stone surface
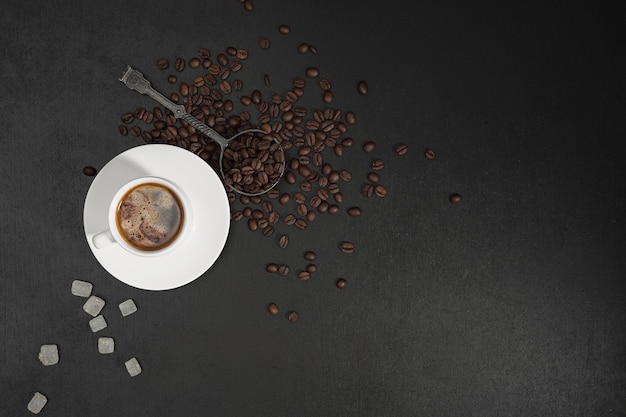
(510, 303)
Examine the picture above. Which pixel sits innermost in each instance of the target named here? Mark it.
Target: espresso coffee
(149, 216)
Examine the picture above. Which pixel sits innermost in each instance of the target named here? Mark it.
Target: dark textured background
(512, 303)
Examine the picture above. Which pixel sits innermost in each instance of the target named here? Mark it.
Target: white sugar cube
(133, 367)
(93, 305)
(106, 345)
(128, 307)
(81, 288)
(49, 355)
(37, 403)
(97, 323)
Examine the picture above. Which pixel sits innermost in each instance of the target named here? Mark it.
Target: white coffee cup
(148, 216)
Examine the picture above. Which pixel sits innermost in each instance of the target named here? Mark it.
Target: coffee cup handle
(103, 239)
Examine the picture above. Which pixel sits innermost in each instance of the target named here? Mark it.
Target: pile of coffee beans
(312, 140)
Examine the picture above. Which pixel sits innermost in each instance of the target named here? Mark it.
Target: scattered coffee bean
(304, 275)
(264, 43)
(362, 87)
(284, 29)
(179, 64)
(311, 268)
(369, 146)
(253, 225)
(354, 211)
(380, 191)
(327, 97)
(271, 268)
(123, 130)
(303, 48)
(272, 308)
(194, 62)
(127, 117)
(455, 198)
(347, 247)
(89, 171)
(283, 270)
(350, 118)
(367, 190)
(292, 316)
(401, 149)
(283, 241)
(341, 283)
(312, 72)
(429, 154)
(163, 63)
(377, 164)
(248, 5)
(373, 177)
(310, 255)
(266, 80)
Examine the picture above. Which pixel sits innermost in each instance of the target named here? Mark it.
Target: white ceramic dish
(210, 223)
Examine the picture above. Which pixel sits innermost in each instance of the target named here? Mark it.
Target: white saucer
(210, 206)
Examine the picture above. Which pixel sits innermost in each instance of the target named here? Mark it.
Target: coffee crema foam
(149, 216)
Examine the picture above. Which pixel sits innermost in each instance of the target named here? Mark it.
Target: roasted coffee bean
(292, 316)
(347, 247)
(264, 43)
(312, 72)
(323, 207)
(303, 48)
(300, 224)
(429, 154)
(283, 241)
(455, 198)
(311, 268)
(267, 230)
(369, 146)
(231, 50)
(327, 97)
(362, 87)
(354, 211)
(273, 217)
(172, 79)
(380, 191)
(324, 84)
(128, 117)
(341, 283)
(284, 198)
(347, 142)
(313, 49)
(194, 63)
(248, 5)
(304, 275)
(284, 29)
(345, 175)
(338, 197)
(310, 216)
(241, 54)
(283, 270)
(163, 63)
(236, 215)
(373, 177)
(302, 210)
(310, 255)
(290, 219)
(367, 190)
(135, 131)
(179, 64)
(266, 80)
(123, 130)
(204, 53)
(377, 164)
(333, 209)
(271, 268)
(401, 149)
(89, 171)
(253, 225)
(272, 308)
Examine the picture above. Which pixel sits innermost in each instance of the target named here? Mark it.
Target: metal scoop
(136, 81)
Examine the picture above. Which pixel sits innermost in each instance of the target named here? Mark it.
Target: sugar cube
(106, 345)
(133, 367)
(128, 307)
(81, 288)
(93, 305)
(37, 403)
(49, 355)
(97, 323)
